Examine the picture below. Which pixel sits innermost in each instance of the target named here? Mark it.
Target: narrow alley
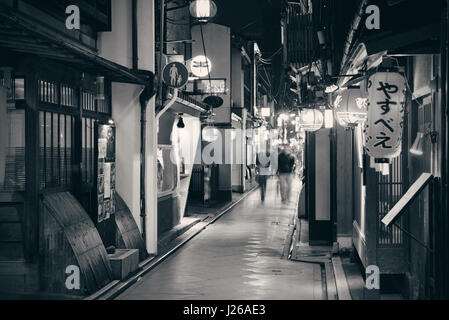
(224, 150)
(237, 257)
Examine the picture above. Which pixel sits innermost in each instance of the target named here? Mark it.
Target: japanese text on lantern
(386, 95)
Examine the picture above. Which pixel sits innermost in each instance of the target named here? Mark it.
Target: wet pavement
(236, 258)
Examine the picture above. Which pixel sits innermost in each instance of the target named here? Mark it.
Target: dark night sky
(254, 19)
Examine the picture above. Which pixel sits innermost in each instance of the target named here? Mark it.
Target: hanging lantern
(203, 10)
(311, 119)
(351, 107)
(210, 134)
(386, 96)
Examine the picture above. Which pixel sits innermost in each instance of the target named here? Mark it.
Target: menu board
(105, 171)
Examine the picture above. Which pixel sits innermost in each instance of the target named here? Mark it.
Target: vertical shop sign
(105, 171)
(386, 96)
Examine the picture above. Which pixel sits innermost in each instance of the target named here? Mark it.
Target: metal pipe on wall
(143, 122)
(444, 226)
(134, 35)
(161, 50)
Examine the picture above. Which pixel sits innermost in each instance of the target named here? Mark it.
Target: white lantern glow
(311, 119)
(351, 107)
(203, 10)
(210, 134)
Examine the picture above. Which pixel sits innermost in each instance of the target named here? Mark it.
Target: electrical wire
(205, 55)
(275, 54)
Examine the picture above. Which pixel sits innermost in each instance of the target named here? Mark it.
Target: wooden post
(243, 150)
(151, 180)
(31, 214)
(371, 226)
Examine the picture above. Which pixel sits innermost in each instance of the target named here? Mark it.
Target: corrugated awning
(21, 33)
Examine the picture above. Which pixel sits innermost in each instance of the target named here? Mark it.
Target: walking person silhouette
(262, 162)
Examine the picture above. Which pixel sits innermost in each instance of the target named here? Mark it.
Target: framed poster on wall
(105, 171)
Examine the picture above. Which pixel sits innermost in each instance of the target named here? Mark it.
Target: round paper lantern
(210, 134)
(386, 96)
(203, 10)
(311, 119)
(351, 107)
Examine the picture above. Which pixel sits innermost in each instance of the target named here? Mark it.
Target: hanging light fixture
(282, 117)
(203, 10)
(311, 119)
(210, 133)
(180, 124)
(351, 107)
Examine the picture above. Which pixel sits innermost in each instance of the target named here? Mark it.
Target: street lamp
(203, 10)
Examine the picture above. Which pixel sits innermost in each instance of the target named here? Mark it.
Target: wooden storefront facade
(48, 199)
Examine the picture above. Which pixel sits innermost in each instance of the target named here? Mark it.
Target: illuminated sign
(212, 86)
(200, 66)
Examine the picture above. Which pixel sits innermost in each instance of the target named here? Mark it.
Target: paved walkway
(237, 257)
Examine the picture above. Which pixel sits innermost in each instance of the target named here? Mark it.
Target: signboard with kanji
(386, 101)
(175, 75)
(105, 169)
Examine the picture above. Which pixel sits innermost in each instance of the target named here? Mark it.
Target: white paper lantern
(386, 100)
(311, 119)
(210, 134)
(203, 10)
(351, 107)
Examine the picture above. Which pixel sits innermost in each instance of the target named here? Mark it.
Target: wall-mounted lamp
(417, 148)
(322, 37)
(180, 124)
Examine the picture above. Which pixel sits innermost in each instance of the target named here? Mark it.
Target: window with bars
(58, 103)
(390, 191)
(90, 103)
(56, 133)
(87, 161)
(67, 94)
(48, 92)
